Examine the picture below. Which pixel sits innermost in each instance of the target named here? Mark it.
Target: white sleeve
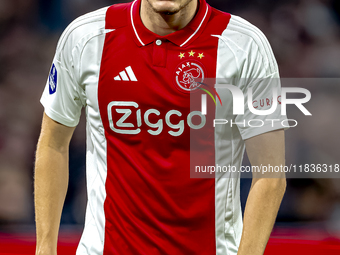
(260, 73)
(62, 97)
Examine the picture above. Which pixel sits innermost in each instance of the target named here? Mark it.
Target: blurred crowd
(305, 38)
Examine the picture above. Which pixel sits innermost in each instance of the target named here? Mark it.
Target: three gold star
(191, 54)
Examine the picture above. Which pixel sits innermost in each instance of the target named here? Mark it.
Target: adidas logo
(126, 76)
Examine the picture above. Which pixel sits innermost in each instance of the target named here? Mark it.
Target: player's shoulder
(247, 30)
(238, 29)
(246, 41)
(92, 24)
(83, 25)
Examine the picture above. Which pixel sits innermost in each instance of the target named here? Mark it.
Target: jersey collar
(182, 37)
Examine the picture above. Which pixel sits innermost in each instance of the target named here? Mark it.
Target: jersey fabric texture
(136, 86)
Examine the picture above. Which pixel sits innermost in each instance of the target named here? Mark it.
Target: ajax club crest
(188, 75)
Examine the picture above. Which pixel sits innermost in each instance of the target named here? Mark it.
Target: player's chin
(166, 7)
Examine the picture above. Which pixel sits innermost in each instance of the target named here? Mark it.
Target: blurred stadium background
(305, 38)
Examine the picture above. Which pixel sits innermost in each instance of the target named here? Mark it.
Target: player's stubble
(168, 7)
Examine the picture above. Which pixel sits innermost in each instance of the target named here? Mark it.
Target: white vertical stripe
(198, 28)
(124, 76)
(130, 73)
(133, 24)
(93, 237)
(117, 78)
(229, 149)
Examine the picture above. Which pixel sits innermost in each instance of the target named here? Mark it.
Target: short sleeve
(61, 97)
(260, 75)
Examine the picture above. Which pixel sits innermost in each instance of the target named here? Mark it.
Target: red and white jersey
(136, 86)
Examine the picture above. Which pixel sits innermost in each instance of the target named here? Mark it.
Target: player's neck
(164, 24)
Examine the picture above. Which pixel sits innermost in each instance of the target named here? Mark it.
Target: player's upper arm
(267, 149)
(55, 135)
